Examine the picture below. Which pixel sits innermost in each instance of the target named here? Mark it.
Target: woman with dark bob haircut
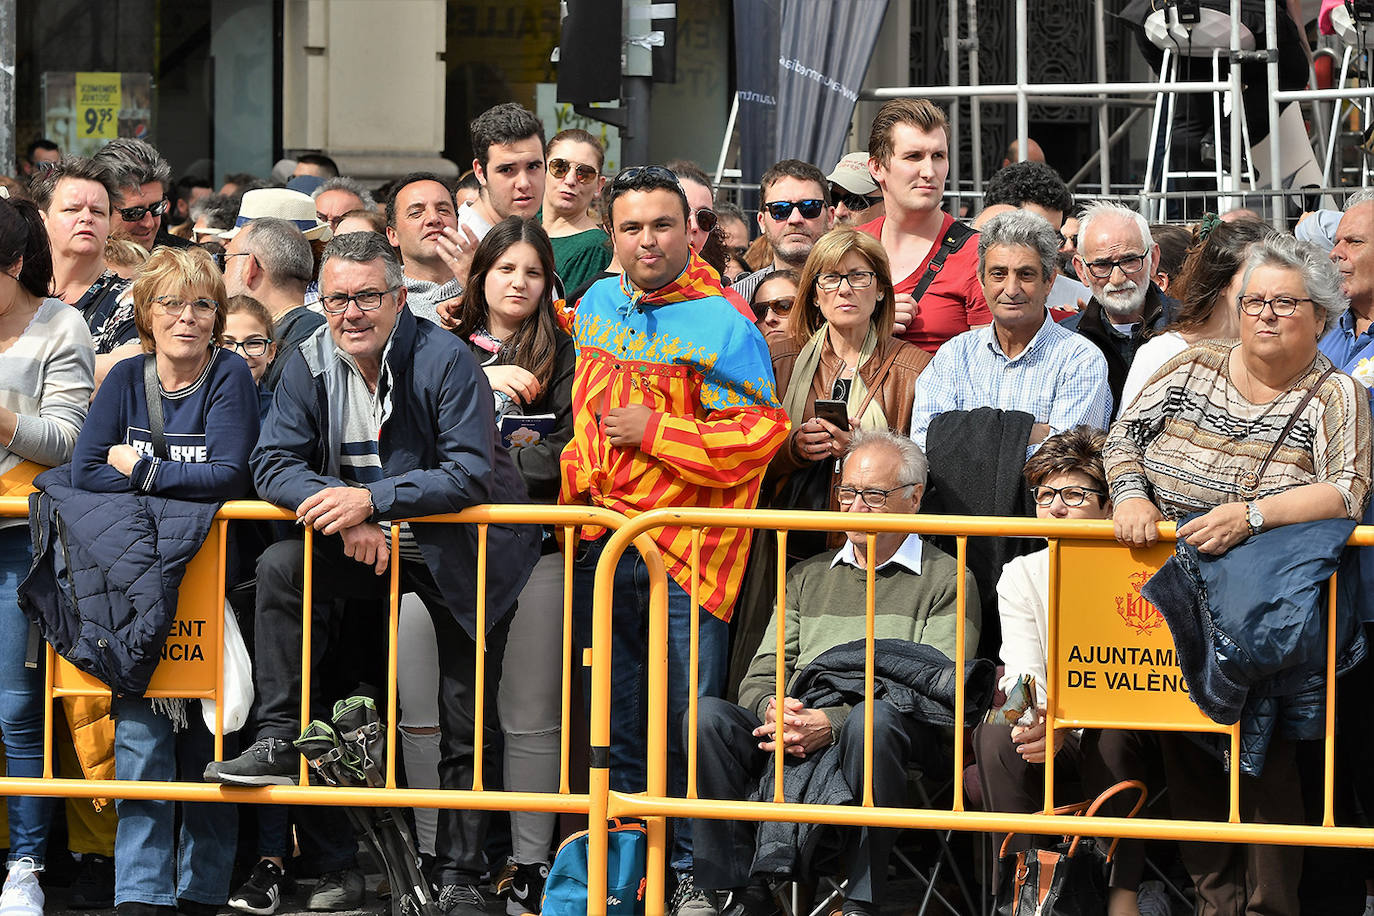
(507, 317)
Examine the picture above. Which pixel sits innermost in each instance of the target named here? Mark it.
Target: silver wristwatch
(1254, 518)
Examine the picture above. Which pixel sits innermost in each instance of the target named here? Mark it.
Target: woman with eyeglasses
(1066, 481)
(1207, 288)
(1253, 435)
(840, 348)
(248, 332)
(772, 305)
(209, 411)
(572, 180)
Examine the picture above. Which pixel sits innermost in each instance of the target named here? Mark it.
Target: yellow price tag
(97, 105)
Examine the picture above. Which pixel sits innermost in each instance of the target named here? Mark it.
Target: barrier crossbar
(655, 805)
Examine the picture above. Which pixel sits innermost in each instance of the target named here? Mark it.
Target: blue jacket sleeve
(287, 461)
(106, 424)
(231, 430)
(467, 442)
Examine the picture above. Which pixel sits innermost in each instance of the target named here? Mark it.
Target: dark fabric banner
(806, 59)
(589, 56)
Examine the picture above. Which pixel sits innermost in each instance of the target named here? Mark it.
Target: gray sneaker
(337, 890)
(689, 900)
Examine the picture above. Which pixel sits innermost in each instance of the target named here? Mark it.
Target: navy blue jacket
(1252, 647)
(439, 450)
(106, 569)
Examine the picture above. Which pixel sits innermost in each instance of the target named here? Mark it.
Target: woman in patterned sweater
(1257, 434)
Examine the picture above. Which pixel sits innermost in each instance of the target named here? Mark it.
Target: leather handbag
(1066, 879)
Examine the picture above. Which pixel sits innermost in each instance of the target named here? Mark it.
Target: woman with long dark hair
(507, 317)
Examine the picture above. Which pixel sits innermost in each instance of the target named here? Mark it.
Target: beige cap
(851, 173)
(282, 203)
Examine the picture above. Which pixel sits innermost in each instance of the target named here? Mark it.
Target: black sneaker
(523, 887)
(461, 900)
(93, 885)
(690, 900)
(261, 893)
(754, 900)
(269, 762)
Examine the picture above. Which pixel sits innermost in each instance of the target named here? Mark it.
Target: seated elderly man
(915, 585)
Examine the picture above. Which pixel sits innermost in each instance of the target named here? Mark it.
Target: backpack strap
(953, 240)
(152, 390)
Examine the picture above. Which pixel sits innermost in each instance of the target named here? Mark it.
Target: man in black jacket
(1116, 259)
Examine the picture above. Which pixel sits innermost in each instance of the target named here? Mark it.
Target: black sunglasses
(134, 214)
(782, 209)
(634, 173)
(853, 201)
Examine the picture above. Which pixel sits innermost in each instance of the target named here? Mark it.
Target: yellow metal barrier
(1083, 544)
(1071, 544)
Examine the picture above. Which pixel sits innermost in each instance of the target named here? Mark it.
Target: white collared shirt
(908, 555)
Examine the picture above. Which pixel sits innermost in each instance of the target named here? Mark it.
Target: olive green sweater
(826, 607)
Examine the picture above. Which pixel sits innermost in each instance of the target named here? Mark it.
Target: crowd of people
(539, 331)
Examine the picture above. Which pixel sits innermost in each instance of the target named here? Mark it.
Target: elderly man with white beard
(1116, 259)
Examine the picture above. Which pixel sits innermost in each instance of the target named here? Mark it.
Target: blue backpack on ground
(565, 891)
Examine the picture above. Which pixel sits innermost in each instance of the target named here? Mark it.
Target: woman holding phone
(840, 369)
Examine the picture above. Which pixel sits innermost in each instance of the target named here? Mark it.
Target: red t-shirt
(953, 303)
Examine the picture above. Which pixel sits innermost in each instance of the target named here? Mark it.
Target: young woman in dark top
(507, 317)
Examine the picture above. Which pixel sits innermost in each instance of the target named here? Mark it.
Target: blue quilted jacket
(105, 574)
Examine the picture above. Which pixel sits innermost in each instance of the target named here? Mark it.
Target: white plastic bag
(238, 679)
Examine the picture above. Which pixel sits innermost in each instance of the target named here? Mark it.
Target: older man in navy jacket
(382, 417)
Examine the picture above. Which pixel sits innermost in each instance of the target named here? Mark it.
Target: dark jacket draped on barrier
(105, 574)
(1249, 629)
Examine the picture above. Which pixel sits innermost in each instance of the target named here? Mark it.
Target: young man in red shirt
(939, 295)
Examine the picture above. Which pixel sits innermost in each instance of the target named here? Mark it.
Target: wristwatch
(1254, 518)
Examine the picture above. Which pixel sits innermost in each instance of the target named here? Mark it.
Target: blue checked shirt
(1060, 379)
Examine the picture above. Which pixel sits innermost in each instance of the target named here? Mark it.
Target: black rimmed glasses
(558, 168)
(1073, 497)
(1282, 306)
(1129, 264)
(780, 210)
(367, 301)
(873, 497)
(857, 279)
(253, 346)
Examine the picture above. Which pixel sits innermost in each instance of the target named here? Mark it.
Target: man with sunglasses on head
(853, 191)
(933, 258)
(379, 417)
(673, 406)
(141, 180)
(795, 212)
(1116, 259)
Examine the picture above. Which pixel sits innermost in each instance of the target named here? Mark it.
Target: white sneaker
(22, 895)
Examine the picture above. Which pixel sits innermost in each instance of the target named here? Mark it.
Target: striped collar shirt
(1060, 378)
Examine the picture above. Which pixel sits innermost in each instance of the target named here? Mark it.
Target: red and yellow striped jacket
(704, 371)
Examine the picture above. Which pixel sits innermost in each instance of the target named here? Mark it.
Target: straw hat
(282, 203)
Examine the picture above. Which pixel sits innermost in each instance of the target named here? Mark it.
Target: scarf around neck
(698, 280)
(795, 400)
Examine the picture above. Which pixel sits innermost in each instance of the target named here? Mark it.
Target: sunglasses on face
(706, 219)
(778, 306)
(134, 214)
(558, 168)
(781, 209)
(854, 202)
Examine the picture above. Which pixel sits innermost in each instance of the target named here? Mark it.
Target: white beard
(1123, 300)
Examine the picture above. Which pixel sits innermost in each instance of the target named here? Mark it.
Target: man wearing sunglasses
(856, 196)
(795, 212)
(141, 180)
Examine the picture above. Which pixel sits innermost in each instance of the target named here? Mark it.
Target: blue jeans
(149, 866)
(21, 701)
(629, 673)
